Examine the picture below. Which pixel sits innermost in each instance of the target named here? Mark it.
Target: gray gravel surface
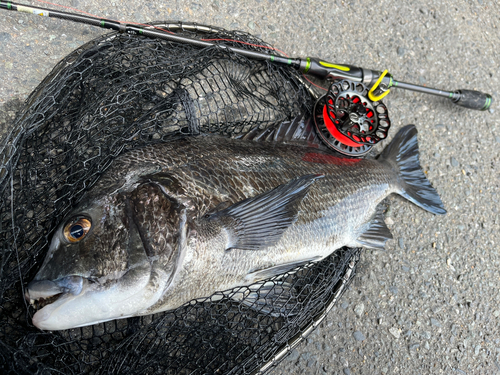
(429, 303)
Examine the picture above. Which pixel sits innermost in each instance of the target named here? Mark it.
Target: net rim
(70, 59)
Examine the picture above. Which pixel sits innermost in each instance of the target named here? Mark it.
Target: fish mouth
(76, 301)
(41, 293)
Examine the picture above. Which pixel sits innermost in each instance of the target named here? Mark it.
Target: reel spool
(348, 121)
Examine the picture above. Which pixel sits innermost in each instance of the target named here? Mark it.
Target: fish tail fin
(402, 155)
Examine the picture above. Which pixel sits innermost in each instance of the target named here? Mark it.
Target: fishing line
(163, 30)
(204, 39)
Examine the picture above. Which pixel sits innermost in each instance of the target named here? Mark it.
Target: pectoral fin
(259, 222)
(377, 233)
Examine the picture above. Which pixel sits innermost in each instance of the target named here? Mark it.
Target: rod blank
(321, 69)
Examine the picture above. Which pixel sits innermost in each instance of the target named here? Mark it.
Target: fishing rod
(350, 118)
(319, 68)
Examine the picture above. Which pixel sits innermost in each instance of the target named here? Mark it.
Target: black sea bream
(173, 222)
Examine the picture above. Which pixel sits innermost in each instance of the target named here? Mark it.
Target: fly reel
(348, 121)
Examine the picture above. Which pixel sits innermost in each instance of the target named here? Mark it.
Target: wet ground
(430, 302)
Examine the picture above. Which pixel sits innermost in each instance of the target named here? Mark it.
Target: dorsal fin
(298, 131)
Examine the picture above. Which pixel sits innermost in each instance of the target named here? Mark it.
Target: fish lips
(38, 289)
(53, 293)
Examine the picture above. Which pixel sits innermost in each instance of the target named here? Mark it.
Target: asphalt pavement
(429, 303)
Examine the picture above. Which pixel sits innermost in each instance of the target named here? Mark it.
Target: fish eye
(76, 229)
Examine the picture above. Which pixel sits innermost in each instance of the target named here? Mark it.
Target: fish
(174, 222)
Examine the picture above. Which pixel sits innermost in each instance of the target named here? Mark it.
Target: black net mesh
(116, 93)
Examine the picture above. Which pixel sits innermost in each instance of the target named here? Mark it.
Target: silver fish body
(179, 221)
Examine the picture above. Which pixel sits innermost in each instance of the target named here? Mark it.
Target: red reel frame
(349, 122)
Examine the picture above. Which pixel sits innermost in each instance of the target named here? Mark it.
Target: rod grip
(473, 99)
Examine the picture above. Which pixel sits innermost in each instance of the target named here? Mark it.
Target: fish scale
(265, 175)
(155, 216)
(208, 214)
(317, 218)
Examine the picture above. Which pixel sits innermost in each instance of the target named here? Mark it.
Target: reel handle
(472, 99)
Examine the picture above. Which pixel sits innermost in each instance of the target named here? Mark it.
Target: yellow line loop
(381, 96)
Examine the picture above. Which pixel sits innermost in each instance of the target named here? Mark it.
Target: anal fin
(377, 233)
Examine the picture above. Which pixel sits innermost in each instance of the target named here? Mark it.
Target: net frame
(50, 130)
